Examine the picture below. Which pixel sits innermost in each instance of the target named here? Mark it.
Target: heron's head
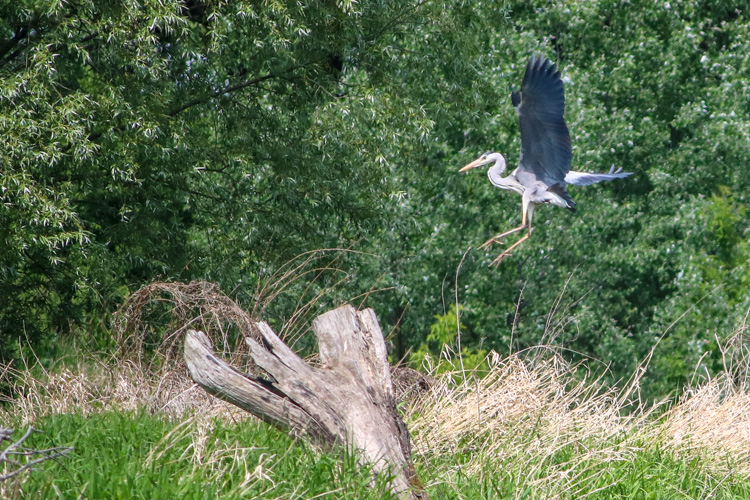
(486, 159)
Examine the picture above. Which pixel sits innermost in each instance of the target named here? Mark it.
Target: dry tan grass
(521, 411)
(199, 305)
(92, 386)
(712, 421)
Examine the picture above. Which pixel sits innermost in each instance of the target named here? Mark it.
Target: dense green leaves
(657, 91)
(206, 139)
(182, 139)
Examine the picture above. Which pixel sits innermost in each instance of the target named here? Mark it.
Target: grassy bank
(524, 429)
(137, 455)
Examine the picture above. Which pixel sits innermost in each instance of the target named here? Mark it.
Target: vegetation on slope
(520, 428)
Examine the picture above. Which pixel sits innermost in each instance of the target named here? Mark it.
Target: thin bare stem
(16, 449)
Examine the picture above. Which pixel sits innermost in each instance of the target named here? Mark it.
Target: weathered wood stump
(347, 401)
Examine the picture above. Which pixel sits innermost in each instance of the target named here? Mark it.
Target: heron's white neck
(495, 174)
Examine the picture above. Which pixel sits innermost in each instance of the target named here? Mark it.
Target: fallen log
(346, 401)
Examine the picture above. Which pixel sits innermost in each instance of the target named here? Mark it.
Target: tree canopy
(203, 139)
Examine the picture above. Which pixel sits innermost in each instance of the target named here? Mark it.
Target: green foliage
(725, 227)
(656, 91)
(207, 139)
(444, 335)
(217, 140)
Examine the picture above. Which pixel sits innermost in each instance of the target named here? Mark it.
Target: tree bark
(347, 401)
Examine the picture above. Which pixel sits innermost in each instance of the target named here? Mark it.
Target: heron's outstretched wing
(545, 141)
(585, 178)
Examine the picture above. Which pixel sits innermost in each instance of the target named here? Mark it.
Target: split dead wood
(347, 401)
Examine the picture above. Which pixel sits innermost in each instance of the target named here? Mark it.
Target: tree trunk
(348, 401)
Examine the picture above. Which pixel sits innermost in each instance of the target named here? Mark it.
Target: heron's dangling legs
(528, 209)
(508, 250)
(495, 238)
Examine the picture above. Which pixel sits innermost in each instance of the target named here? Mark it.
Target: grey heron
(544, 168)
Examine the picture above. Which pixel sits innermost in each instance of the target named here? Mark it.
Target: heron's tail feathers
(561, 197)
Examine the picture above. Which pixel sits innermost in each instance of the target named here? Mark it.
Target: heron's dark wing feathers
(545, 141)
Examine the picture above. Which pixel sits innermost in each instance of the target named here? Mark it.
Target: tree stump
(348, 401)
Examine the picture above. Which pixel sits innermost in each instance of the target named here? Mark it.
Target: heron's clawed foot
(487, 244)
(509, 250)
(499, 258)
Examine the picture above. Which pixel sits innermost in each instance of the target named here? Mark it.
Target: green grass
(123, 455)
(647, 474)
(522, 431)
(126, 455)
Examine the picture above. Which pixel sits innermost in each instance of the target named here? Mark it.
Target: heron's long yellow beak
(476, 163)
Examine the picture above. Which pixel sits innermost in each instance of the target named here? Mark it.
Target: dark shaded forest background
(205, 140)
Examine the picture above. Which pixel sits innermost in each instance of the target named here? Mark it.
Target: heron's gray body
(521, 180)
(543, 170)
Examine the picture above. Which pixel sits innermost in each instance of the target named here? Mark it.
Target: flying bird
(544, 168)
